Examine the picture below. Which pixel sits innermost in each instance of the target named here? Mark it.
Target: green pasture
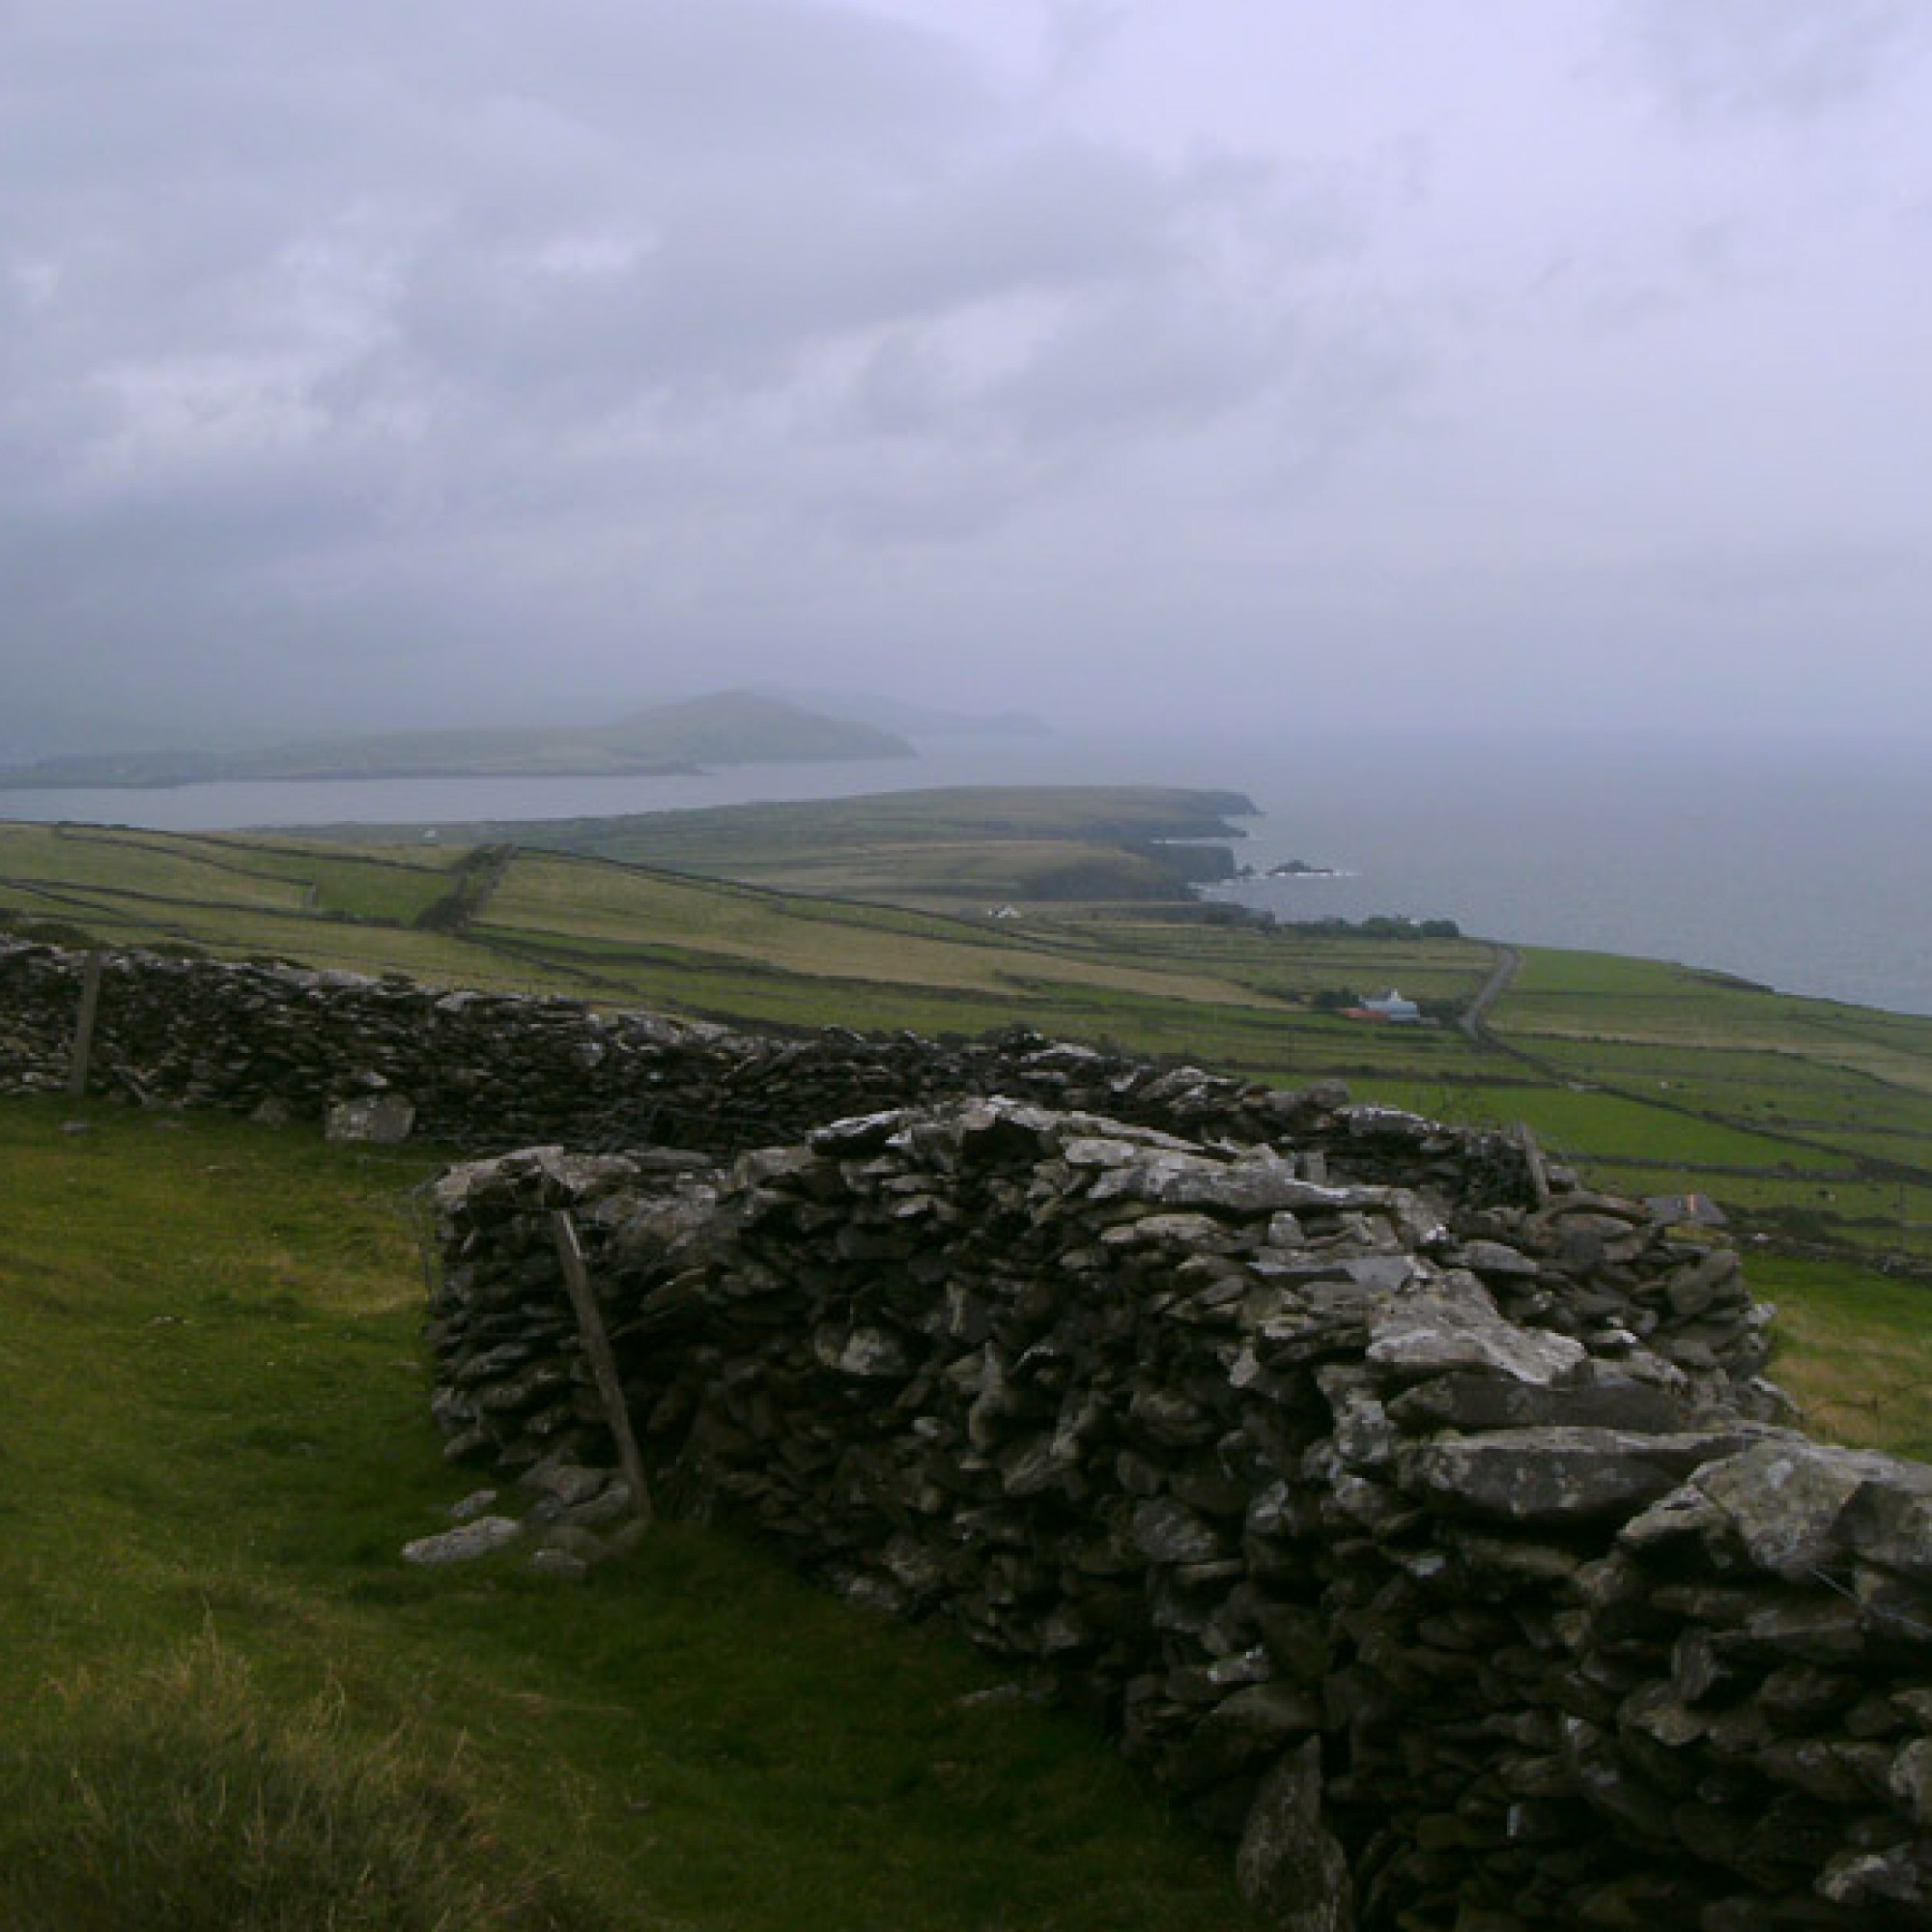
(1586, 1123)
(1805, 1118)
(950, 848)
(1290, 961)
(119, 866)
(136, 878)
(953, 817)
(985, 872)
(215, 1437)
(1854, 1349)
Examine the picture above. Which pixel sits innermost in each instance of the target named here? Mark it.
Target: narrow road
(1508, 959)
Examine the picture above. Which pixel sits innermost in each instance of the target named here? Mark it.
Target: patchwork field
(1810, 1122)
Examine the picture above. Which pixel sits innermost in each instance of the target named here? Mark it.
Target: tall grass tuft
(182, 1799)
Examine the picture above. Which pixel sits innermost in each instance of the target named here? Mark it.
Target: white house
(1393, 1006)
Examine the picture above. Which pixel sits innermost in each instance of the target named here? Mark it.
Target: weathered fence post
(83, 1029)
(603, 1363)
(1532, 1155)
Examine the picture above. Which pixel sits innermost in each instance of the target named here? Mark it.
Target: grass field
(1855, 1349)
(948, 849)
(214, 1438)
(1807, 1118)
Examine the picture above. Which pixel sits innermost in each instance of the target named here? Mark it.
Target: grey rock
(1165, 1531)
(1902, 1876)
(1660, 1714)
(1910, 1779)
(1495, 1259)
(866, 1354)
(612, 1504)
(1289, 1865)
(562, 1564)
(1599, 1399)
(1889, 1520)
(1816, 1627)
(1261, 1183)
(862, 1133)
(382, 1119)
(575, 1541)
(1378, 1276)
(565, 1483)
(1785, 1498)
(464, 1544)
(1451, 1322)
(1686, 1514)
(1174, 1231)
(1552, 1475)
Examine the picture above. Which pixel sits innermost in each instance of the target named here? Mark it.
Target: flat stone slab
(380, 1118)
(1554, 1475)
(1798, 1505)
(464, 1543)
(1453, 1323)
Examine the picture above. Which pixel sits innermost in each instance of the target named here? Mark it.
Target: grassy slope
(624, 934)
(1854, 1349)
(215, 1439)
(949, 848)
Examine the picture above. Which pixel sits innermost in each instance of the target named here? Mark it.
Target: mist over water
(1807, 868)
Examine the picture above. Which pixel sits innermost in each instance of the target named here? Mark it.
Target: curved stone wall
(498, 1071)
(1423, 1544)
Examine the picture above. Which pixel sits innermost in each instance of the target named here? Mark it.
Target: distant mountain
(735, 727)
(917, 721)
(748, 728)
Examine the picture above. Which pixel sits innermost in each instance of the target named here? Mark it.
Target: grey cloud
(1077, 30)
(1129, 363)
(348, 351)
(712, 281)
(1721, 58)
(491, 305)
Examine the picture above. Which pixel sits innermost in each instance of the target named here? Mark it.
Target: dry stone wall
(485, 1070)
(1437, 1548)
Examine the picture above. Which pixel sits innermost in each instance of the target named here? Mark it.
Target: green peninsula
(733, 727)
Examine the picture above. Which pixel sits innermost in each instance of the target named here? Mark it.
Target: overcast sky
(1509, 362)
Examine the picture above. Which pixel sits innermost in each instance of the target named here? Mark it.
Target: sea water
(1808, 868)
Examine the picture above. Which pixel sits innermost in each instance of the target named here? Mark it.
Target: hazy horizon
(1549, 367)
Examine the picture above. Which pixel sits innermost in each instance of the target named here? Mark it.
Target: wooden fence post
(1532, 1154)
(83, 1029)
(603, 1363)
